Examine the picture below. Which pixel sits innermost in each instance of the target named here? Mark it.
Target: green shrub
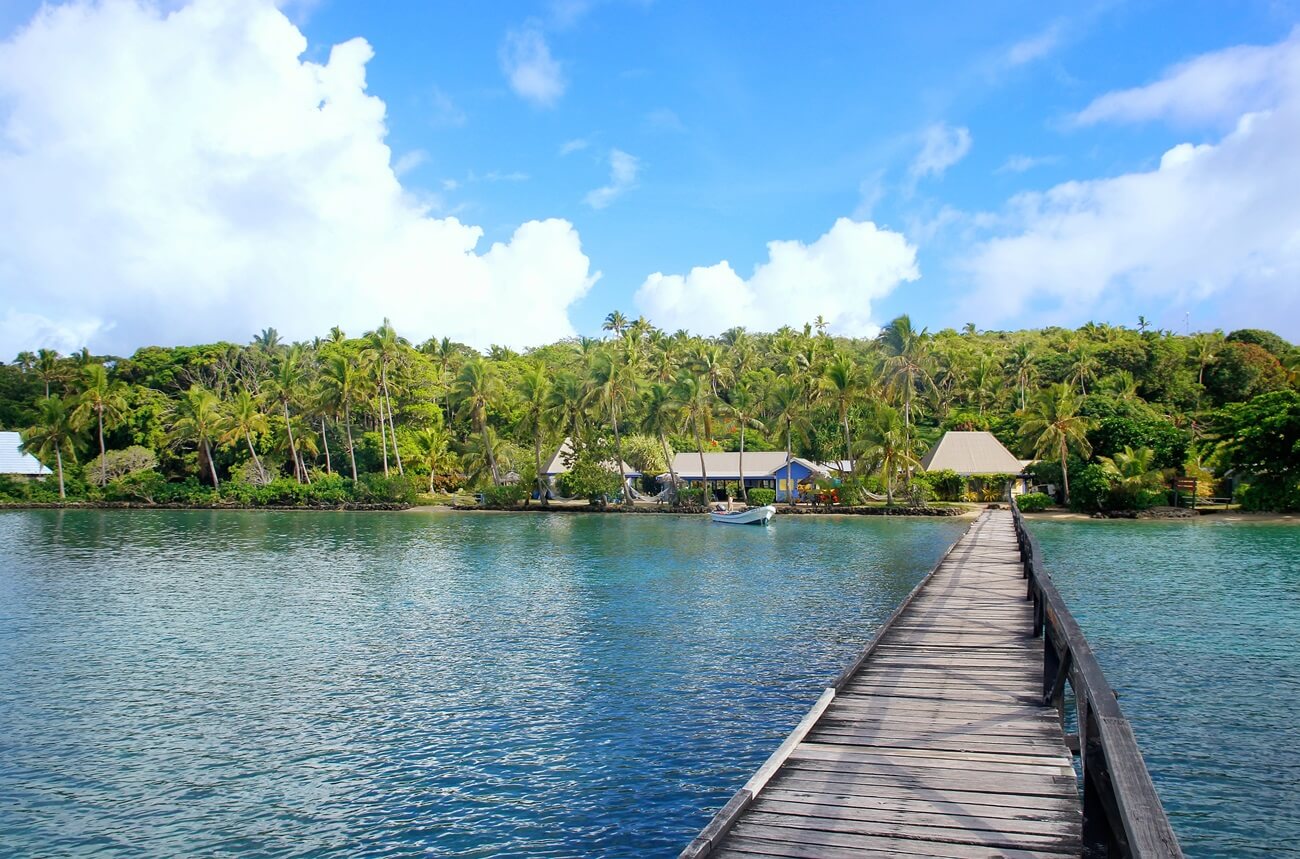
(330, 489)
(690, 495)
(947, 484)
(1265, 495)
(1033, 502)
(1145, 499)
(1089, 488)
(393, 489)
(143, 486)
(506, 495)
(761, 497)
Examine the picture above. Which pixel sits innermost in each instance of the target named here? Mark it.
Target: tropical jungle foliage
(1111, 413)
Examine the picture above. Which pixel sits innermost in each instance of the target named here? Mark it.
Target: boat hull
(754, 516)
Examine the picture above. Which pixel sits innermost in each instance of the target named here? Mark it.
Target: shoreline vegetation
(1114, 420)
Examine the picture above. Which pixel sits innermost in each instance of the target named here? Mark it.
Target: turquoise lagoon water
(308, 684)
(1197, 625)
(322, 684)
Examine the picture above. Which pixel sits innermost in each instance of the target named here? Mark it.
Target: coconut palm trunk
(704, 472)
(541, 478)
(618, 452)
(383, 436)
(293, 449)
(58, 461)
(329, 469)
(1065, 472)
(491, 457)
(103, 463)
(672, 475)
(391, 426)
(257, 463)
(212, 466)
(352, 456)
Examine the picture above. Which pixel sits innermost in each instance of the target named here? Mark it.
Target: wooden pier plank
(938, 745)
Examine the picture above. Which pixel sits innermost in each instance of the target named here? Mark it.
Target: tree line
(1106, 408)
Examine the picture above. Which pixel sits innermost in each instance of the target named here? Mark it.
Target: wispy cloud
(409, 161)
(623, 170)
(532, 72)
(664, 119)
(446, 113)
(576, 145)
(1034, 47)
(1023, 163)
(941, 147)
(497, 176)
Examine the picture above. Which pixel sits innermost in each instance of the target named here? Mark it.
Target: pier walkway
(944, 737)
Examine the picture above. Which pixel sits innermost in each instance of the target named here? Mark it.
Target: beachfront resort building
(559, 464)
(768, 469)
(974, 454)
(15, 463)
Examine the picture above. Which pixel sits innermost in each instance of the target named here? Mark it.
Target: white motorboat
(752, 516)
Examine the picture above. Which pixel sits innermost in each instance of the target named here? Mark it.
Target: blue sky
(714, 129)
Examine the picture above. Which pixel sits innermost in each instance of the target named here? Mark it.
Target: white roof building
(970, 453)
(725, 465)
(559, 462)
(16, 463)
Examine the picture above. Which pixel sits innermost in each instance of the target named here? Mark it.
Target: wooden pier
(944, 737)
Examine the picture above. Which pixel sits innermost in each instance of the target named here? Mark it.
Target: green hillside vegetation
(1113, 413)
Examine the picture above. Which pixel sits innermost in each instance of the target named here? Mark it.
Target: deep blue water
(320, 684)
(1197, 625)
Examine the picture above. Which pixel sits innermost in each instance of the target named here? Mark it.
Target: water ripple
(285, 684)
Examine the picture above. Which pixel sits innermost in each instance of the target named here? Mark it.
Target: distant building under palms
(972, 454)
(766, 469)
(14, 462)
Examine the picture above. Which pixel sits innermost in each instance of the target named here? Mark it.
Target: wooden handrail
(1122, 813)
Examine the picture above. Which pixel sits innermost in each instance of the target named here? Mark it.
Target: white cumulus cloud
(838, 276)
(177, 175)
(1213, 222)
(941, 147)
(623, 170)
(530, 69)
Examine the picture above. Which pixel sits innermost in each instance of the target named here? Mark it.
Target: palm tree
(1132, 469)
(52, 435)
(104, 400)
(476, 390)
(907, 365)
(25, 361)
(49, 368)
(285, 388)
(614, 322)
(744, 407)
(535, 396)
(434, 449)
(663, 415)
(444, 352)
(787, 409)
(1123, 385)
(615, 385)
(385, 348)
(711, 363)
(268, 341)
(843, 382)
(340, 388)
(244, 418)
(196, 419)
(1054, 426)
(889, 447)
(568, 401)
(1083, 367)
(1023, 362)
(697, 409)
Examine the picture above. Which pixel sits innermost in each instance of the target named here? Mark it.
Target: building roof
(726, 465)
(558, 462)
(843, 466)
(971, 453)
(14, 461)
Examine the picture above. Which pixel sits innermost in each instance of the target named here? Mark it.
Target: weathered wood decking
(936, 742)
